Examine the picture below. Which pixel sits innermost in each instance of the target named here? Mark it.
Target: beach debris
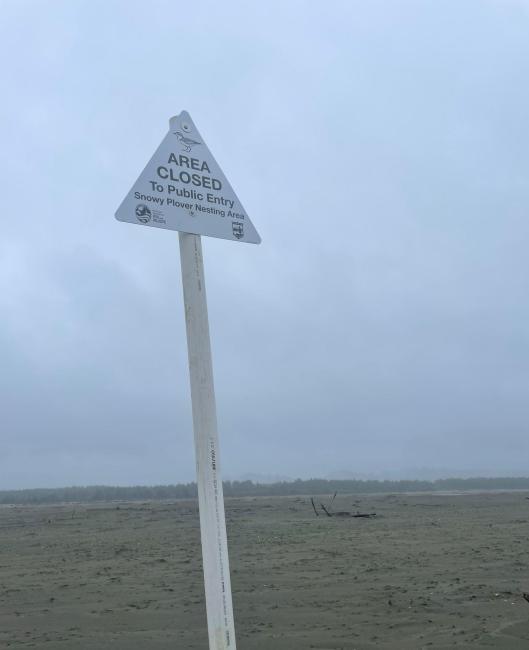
(340, 513)
(526, 596)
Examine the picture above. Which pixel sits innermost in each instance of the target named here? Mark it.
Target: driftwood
(340, 513)
(346, 513)
(328, 511)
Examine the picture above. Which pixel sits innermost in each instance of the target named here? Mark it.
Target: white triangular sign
(183, 188)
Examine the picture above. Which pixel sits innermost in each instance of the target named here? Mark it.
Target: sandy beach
(429, 571)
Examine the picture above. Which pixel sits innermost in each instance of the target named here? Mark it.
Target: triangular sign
(183, 188)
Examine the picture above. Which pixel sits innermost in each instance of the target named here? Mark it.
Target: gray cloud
(381, 150)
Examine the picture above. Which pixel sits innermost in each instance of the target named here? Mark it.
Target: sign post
(183, 188)
(210, 496)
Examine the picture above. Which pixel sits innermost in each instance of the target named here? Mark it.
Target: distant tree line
(97, 493)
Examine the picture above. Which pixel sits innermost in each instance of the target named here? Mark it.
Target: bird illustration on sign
(186, 142)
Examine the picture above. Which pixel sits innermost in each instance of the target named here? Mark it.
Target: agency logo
(143, 213)
(238, 229)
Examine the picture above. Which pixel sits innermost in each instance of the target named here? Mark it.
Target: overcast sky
(382, 151)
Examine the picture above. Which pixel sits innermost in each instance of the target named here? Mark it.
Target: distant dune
(250, 488)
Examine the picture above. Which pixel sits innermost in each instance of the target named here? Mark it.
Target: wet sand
(430, 571)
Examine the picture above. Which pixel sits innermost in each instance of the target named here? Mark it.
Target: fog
(381, 150)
